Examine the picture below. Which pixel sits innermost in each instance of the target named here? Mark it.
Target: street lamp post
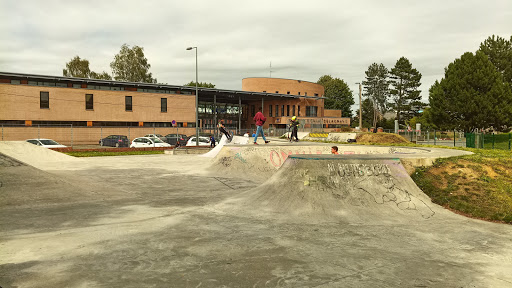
(197, 102)
(360, 109)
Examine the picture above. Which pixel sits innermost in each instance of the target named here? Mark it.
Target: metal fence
(489, 141)
(451, 138)
(80, 135)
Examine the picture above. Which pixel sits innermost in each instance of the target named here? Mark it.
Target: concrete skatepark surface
(177, 221)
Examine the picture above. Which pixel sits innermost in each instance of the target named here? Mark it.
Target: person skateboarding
(259, 119)
(222, 129)
(294, 126)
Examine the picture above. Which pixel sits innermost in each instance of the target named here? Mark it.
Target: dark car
(115, 141)
(173, 138)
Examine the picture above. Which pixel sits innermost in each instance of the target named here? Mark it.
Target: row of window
(14, 123)
(98, 87)
(298, 93)
(44, 102)
(311, 111)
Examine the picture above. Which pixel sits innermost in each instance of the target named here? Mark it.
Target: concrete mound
(351, 189)
(39, 157)
(262, 161)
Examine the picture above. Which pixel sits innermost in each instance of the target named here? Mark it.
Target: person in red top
(259, 119)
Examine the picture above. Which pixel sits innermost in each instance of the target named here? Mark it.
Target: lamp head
(190, 48)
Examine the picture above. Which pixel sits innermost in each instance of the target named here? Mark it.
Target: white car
(203, 141)
(159, 136)
(146, 142)
(46, 143)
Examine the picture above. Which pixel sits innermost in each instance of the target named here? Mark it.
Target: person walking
(259, 119)
(222, 129)
(294, 126)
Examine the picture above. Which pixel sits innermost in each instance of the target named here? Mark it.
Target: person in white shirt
(246, 134)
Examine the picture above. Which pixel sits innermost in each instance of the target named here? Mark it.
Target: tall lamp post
(197, 102)
(360, 109)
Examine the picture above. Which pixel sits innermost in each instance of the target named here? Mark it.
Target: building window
(265, 91)
(287, 110)
(44, 100)
(288, 92)
(77, 86)
(253, 110)
(89, 102)
(305, 93)
(293, 110)
(277, 92)
(311, 111)
(299, 93)
(269, 110)
(316, 94)
(298, 110)
(128, 103)
(277, 110)
(163, 104)
(16, 82)
(282, 110)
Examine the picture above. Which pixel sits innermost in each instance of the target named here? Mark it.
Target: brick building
(98, 107)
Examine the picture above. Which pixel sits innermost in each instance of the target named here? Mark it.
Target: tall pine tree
(499, 52)
(405, 96)
(376, 89)
(471, 95)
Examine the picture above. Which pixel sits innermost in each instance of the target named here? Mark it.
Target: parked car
(46, 143)
(203, 141)
(159, 136)
(173, 138)
(146, 142)
(115, 141)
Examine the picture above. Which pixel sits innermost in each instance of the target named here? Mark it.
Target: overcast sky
(236, 39)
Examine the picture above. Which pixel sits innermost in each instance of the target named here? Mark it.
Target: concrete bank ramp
(355, 189)
(262, 161)
(240, 140)
(39, 157)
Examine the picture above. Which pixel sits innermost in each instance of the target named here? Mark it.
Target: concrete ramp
(350, 189)
(39, 157)
(240, 140)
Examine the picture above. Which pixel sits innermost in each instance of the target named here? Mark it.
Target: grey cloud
(238, 39)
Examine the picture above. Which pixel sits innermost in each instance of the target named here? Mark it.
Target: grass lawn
(111, 153)
(478, 186)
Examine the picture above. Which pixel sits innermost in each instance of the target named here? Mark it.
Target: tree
(131, 65)
(337, 95)
(200, 84)
(77, 68)
(103, 76)
(425, 119)
(405, 96)
(471, 95)
(499, 52)
(80, 68)
(376, 88)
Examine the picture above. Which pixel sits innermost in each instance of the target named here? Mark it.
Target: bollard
(454, 145)
(492, 140)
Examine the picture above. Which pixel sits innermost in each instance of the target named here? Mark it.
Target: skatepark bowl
(276, 215)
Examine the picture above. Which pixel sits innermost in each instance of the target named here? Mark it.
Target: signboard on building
(337, 121)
